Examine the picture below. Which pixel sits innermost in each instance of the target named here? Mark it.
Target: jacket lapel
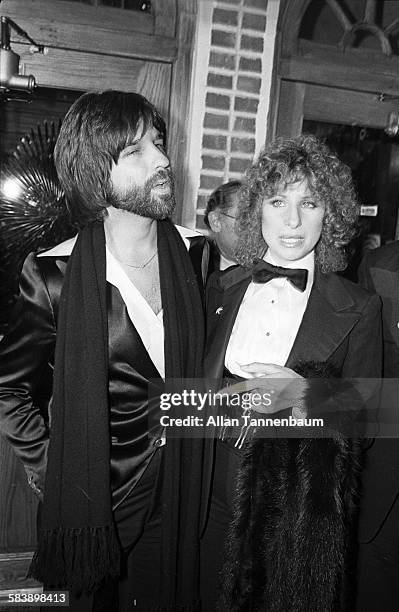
(223, 305)
(328, 319)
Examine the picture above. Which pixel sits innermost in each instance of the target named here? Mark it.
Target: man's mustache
(162, 176)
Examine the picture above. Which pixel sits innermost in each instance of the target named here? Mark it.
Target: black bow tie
(263, 271)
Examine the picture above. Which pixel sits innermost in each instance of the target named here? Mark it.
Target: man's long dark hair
(97, 127)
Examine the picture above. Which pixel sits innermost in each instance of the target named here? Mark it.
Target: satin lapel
(223, 306)
(330, 315)
(222, 309)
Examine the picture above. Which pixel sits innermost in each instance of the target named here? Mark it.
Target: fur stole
(291, 544)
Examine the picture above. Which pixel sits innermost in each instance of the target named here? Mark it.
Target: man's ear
(214, 221)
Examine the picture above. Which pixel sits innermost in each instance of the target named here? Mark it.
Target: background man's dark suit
(378, 579)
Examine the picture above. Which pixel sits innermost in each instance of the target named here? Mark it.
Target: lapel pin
(219, 310)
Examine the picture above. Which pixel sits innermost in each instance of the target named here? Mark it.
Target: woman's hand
(286, 387)
(269, 370)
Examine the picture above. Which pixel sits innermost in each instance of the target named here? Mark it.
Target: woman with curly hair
(280, 535)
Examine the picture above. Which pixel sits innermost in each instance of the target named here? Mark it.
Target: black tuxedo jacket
(379, 272)
(379, 518)
(341, 325)
(341, 328)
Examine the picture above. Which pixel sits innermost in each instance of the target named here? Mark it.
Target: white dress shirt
(148, 324)
(268, 320)
(225, 263)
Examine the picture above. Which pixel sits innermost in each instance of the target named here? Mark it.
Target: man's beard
(141, 201)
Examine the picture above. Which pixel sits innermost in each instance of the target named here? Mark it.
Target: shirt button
(159, 442)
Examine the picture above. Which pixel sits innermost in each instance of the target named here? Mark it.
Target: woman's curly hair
(286, 161)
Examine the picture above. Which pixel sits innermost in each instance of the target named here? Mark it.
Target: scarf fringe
(77, 559)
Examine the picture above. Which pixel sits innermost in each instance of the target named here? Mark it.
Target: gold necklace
(137, 267)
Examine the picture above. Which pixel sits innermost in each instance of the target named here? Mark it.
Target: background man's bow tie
(263, 271)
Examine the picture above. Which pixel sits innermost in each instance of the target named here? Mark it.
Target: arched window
(350, 46)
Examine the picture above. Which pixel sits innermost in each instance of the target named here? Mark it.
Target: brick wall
(232, 93)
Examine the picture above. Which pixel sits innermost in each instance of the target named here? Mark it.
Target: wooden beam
(165, 13)
(289, 22)
(346, 107)
(340, 15)
(390, 29)
(13, 570)
(68, 69)
(180, 104)
(98, 35)
(275, 91)
(290, 112)
(55, 11)
(370, 11)
(355, 69)
(370, 28)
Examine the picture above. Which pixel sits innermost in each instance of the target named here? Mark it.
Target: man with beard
(98, 317)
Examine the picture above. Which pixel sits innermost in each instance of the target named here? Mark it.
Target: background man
(378, 586)
(123, 303)
(220, 214)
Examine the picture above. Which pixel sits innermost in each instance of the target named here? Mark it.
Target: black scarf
(78, 546)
